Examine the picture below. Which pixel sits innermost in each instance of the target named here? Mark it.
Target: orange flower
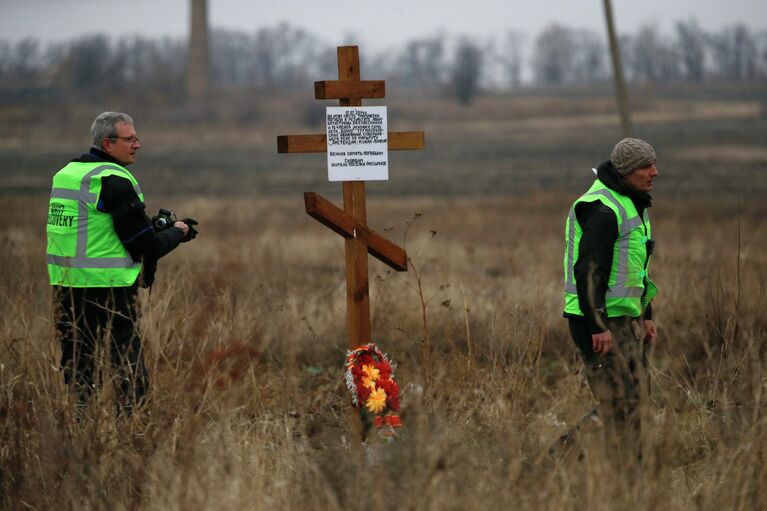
(376, 403)
(371, 375)
(371, 371)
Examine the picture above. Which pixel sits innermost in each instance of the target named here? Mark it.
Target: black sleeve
(595, 260)
(132, 225)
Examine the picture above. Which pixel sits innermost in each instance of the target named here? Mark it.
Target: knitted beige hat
(630, 154)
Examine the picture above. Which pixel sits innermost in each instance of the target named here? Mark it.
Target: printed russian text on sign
(357, 139)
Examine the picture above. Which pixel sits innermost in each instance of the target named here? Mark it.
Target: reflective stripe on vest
(627, 274)
(84, 199)
(626, 226)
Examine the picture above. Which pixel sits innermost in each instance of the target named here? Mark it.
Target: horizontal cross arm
(406, 140)
(336, 89)
(317, 143)
(341, 222)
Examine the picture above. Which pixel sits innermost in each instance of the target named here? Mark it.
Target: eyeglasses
(130, 140)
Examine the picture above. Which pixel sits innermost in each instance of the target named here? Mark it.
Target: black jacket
(132, 225)
(595, 250)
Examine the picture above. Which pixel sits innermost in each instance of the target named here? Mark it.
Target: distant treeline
(288, 57)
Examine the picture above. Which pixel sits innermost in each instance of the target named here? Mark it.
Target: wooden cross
(351, 222)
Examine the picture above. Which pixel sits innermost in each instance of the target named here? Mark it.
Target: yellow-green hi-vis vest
(83, 247)
(629, 287)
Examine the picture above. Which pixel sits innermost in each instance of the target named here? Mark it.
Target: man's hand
(602, 342)
(191, 232)
(650, 332)
(182, 226)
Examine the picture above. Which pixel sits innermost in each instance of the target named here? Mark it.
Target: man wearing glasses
(101, 248)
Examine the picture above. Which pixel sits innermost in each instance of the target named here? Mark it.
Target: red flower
(392, 393)
(363, 393)
(384, 370)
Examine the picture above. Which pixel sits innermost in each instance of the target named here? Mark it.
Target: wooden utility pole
(198, 63)
(620, 83)
(351, 221)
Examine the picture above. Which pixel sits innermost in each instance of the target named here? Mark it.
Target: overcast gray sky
(376, 23)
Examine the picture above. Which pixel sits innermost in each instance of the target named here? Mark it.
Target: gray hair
(105, 126)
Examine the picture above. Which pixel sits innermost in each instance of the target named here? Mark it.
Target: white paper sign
(357, 143)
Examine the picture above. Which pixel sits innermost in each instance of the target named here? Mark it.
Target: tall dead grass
(244, 336)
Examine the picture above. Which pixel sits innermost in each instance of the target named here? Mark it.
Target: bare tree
(511, 56)
(565, 56)
(287, 56)
(88, 66)
(279, 56)
(761, 40)
(24, 69)
(23, 60)
(151, 68)
(691, 45)
(553, 55)
(589, 64)
(231, 57)
(643, 50)
(652, 57)
(735, 54)
(421, 63)
(466, 71)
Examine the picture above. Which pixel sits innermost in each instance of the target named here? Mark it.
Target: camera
(163, 220)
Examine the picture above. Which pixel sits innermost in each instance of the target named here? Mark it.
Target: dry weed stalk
(414, 262)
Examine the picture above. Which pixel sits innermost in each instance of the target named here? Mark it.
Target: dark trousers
(92, 321)
(620, 383)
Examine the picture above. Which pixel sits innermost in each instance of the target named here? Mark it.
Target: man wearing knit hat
(608, 291)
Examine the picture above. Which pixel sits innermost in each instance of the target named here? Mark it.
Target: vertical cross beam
(357, 296)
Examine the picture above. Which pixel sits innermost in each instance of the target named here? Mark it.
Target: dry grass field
(244, 329)
(244, 337)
